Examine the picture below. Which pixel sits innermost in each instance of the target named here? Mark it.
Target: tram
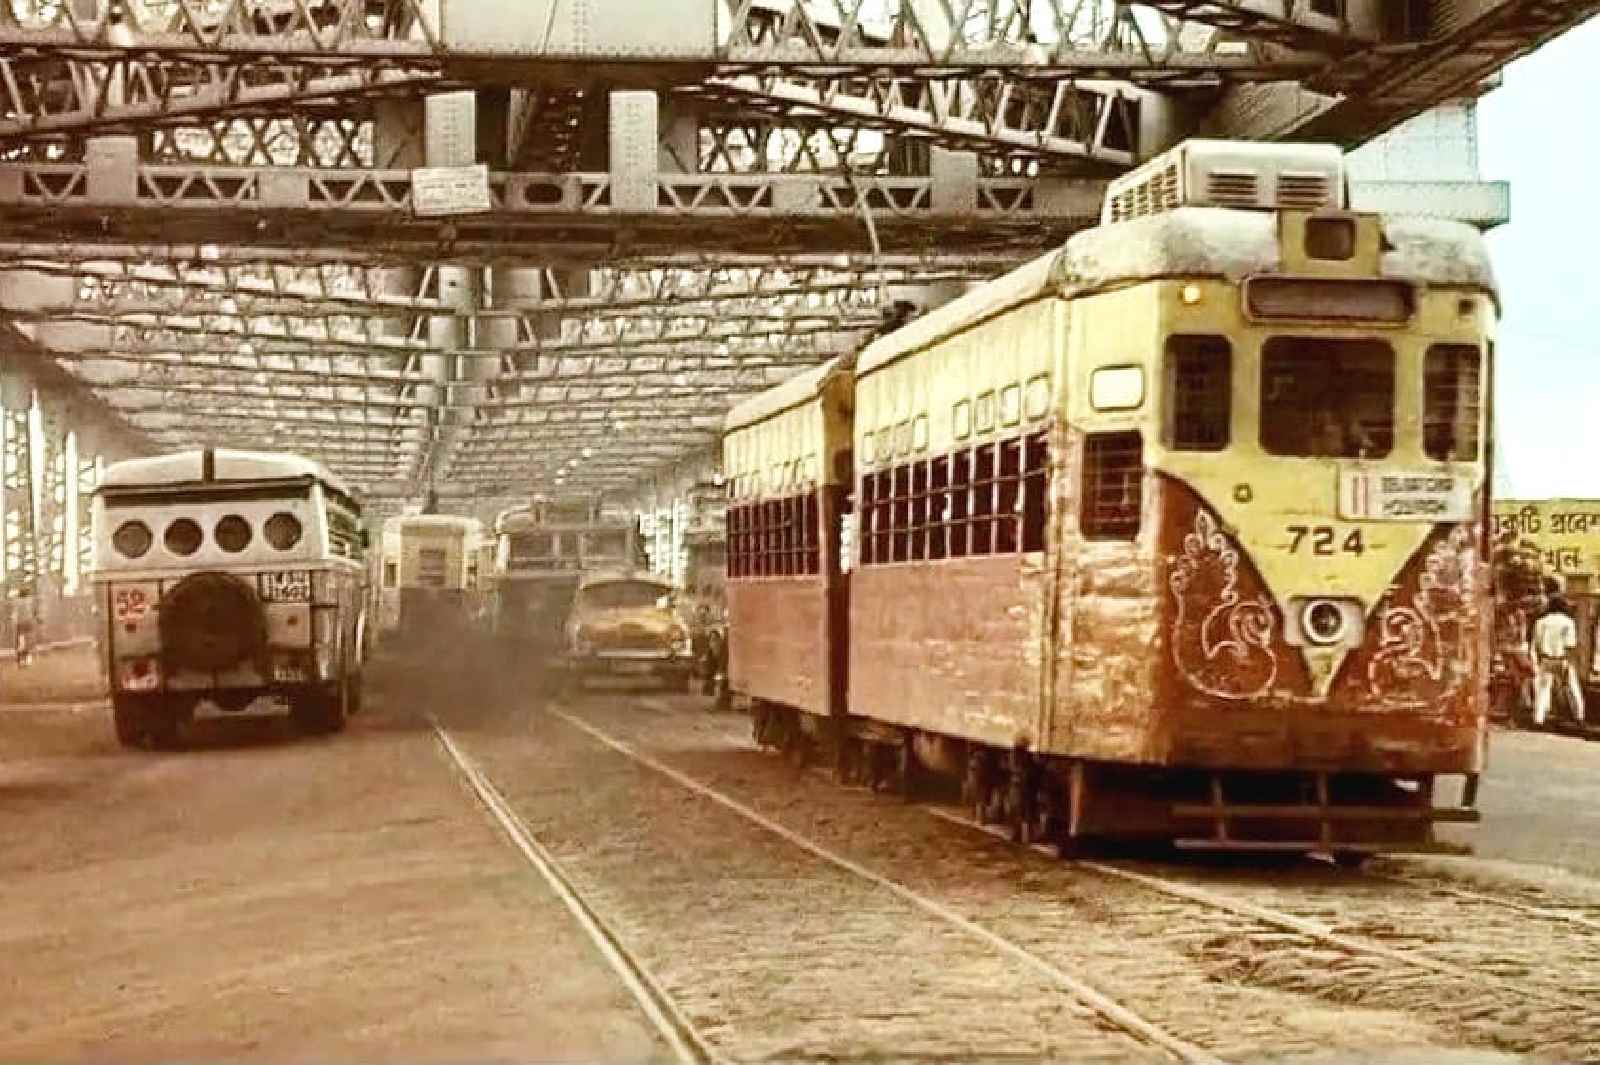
(430, 581)
(223, 577)
(1177, 532)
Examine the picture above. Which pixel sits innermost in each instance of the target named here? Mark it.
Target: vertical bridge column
(51, 531)
(17, 535)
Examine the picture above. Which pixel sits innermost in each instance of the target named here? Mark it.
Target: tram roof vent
(1238, 174)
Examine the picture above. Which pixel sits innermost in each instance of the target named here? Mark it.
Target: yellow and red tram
(1177, 531)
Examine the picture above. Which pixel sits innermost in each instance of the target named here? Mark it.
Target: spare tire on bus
(211, 622)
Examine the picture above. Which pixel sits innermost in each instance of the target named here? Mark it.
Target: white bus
(431, 580)
(226, 576)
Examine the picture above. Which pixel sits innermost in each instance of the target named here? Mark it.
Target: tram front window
(1327, 398)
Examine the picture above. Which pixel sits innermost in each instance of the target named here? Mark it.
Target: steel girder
(622, 290)
(806, 36)
(1367, 92)
(755, 213)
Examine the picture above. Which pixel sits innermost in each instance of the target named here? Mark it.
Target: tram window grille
(794, 544)
(1035, 483)
(868, 518)
(983, 500)
(960, 503)
(777, 546)
(1113, 483)
(785, 537)
(1451, 402)
(919, 511)
(882, 510)
(752, 544)
(938, 507)
(812, 534)
(901, 514)
(1009, 496)
(984, 482)
(763, 567)
(1199, 392)
(767, 564)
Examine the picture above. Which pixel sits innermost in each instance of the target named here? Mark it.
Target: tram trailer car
(1176, 532)
(429, 575)
(227, 576)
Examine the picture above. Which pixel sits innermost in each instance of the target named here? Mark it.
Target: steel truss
(233, 181)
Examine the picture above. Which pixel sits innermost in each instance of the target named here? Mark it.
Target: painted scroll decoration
(1222, 643)
(1425, 649)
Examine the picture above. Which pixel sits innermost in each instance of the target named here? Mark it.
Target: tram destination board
(1402, 495)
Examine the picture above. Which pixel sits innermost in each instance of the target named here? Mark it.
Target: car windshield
(624, 594)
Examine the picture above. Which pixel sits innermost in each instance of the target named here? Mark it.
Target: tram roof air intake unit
(1238, 174)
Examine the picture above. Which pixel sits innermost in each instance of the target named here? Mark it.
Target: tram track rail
(685, 1041)
(1106, 1007)
(1474, 992)
(1313, 929)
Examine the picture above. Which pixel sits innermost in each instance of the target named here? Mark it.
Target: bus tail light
(139, 674)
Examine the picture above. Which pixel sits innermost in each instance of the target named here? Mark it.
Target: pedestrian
(1555, 635)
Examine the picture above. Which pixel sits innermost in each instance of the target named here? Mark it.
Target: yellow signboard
(1566, 531)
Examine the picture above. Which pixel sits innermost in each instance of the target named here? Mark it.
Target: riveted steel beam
(770, 213)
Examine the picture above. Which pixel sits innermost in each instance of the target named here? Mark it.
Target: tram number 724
(1324, 540)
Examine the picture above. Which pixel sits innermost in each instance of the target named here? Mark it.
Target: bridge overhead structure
(216, 227)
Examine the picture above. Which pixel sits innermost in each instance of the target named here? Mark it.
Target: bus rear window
(1451, 400)
(431, 566)
(1327, 398)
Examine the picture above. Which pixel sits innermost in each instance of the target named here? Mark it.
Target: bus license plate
(294, 587)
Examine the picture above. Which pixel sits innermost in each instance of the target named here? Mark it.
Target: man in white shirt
(1554, 637)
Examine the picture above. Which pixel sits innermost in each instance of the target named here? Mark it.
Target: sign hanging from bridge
(445, 191)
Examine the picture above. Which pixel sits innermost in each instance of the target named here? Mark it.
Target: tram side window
(1035, 482)
(1199, 382)
(1113, 486)
(1451, 400)
(391, 574)
(1326, 398)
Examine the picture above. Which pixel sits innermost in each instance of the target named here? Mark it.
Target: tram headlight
(1324, 622)
(132, 539)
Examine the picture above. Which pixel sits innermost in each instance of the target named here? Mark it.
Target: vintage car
(627, 624)
(226, 576)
